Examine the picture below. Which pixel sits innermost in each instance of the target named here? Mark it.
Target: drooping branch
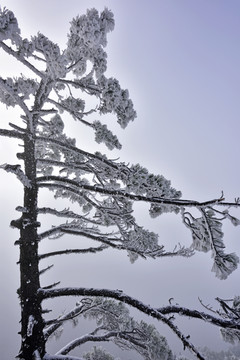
(108, 242)
(78, 151)
(54, 324)
(86, 338)
(47, 233)
(119, 295)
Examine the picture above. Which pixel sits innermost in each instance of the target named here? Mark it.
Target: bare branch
(73, 251)
(46, 269)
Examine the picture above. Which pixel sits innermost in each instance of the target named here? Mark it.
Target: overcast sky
(180, 61)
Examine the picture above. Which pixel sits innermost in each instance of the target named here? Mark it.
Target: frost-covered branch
(6, 87)
(52, 325)
(75, 114)
(67, 214)
(86, 338)
(11, 133)
(91, 250)
(20, 58)
(123, 193)
(76, 150)
(16, 169)
(220, 322)
(115, 243)
(79, 84)
(207, 235)
(119, 295)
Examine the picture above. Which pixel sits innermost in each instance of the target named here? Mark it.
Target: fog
(180, 62)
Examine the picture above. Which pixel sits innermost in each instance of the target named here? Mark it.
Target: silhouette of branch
(73, 251)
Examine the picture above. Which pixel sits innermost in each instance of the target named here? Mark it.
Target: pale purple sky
(180, 61)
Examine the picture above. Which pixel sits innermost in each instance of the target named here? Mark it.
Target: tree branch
(85, 338)
(66, 213)
(75, 115)
(173, 309)
(16, 97)
(79, 85)
(11, 133)
(73, 251)
(123, 193)
(15, 54)
(78, 151)
(119, 295)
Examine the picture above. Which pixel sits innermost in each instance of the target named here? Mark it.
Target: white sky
(180, 61)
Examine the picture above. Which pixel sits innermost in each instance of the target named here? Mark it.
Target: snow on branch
(19, 57)
(8, 25)
(207, 235)
(9, 97)
(52, 325)
(63, 145)
(85, 338)
(66, 213)
(114, 323)
(11, 133)
(224, 264)
(220, 322)
(135, 197)
(119, 295)
(16, 169)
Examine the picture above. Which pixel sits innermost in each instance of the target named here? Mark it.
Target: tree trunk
(31, 311)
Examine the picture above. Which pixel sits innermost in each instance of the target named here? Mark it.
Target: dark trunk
(31, 311)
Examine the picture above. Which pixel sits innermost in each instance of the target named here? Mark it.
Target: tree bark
(31, 312)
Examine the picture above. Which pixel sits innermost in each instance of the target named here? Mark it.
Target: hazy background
(180, 61)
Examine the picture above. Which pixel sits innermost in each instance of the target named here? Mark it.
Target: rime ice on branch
(103, 192)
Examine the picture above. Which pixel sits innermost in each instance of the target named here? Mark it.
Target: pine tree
(101, 193)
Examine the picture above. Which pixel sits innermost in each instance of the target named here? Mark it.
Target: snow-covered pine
(102, 191)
